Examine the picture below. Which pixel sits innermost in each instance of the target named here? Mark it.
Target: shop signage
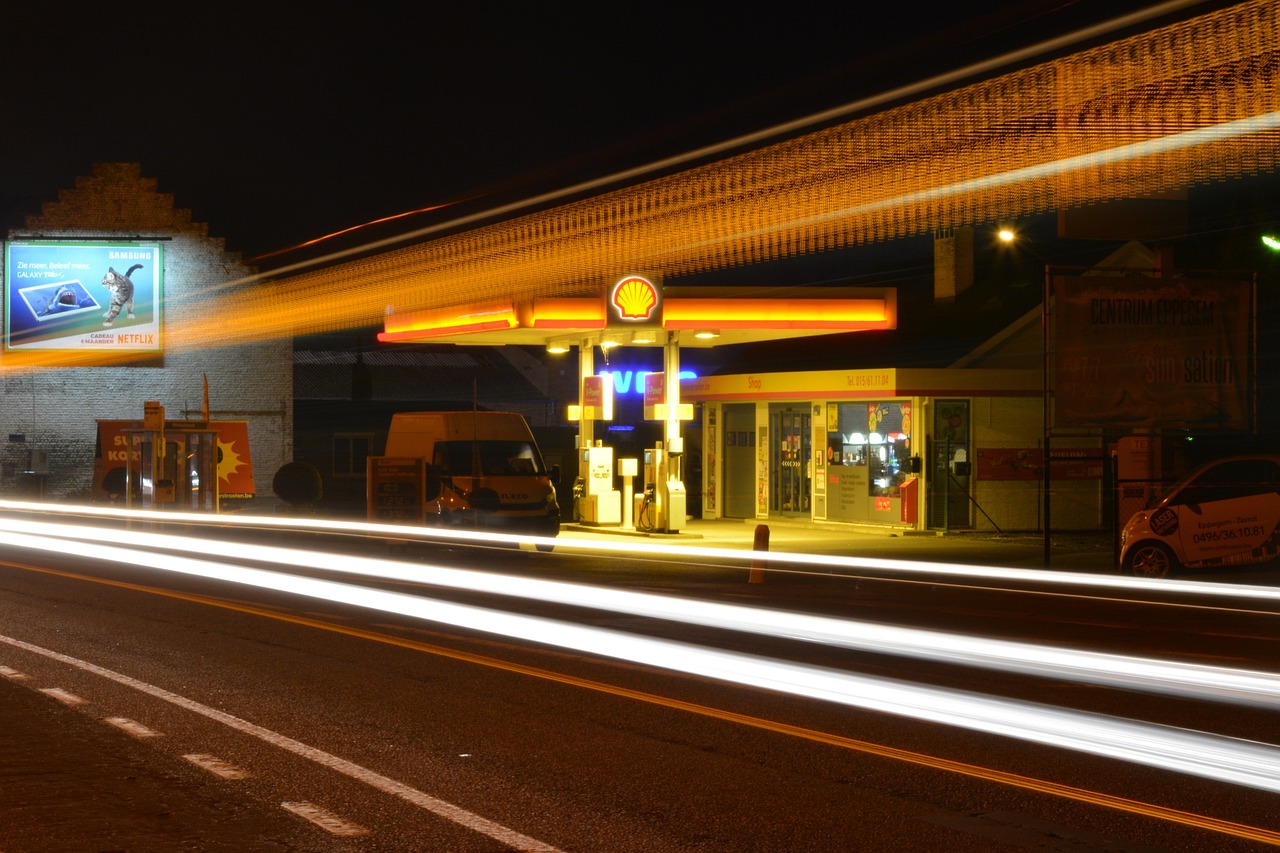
(631, 382)
(235, 466)
(635, 302)
(597, 399)
(1027, 464)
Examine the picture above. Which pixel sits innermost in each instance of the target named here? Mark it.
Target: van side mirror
(436, 478)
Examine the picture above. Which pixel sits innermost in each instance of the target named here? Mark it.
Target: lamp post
(1009, 236)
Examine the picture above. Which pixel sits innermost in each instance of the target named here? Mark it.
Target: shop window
(875, 436)
(350, 452)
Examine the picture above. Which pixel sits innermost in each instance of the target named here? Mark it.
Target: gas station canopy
(635, 311)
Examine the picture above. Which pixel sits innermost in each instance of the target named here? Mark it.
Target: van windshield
(496, 458)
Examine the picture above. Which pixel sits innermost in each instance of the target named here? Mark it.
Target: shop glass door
(789, 460)
(949, 472)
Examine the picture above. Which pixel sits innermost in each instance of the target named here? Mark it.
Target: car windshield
(496, 458)
(1162, 496)
(1230, 478)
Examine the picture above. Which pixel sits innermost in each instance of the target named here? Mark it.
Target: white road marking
(132, 727)
(440, 808)
(325, 819)
(63, 696)
(13, 674)
(217, 766)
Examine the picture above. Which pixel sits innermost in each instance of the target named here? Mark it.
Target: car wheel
(1150, 560)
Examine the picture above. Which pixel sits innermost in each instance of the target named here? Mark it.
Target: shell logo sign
(635, 298)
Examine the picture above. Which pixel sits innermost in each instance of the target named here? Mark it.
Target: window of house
(350, 452)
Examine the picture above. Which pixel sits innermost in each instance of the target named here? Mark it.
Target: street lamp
(1008, 236)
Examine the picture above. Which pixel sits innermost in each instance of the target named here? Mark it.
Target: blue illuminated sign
(632, 381)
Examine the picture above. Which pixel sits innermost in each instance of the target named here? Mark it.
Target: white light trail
(1122, 671)
(1210, 756)
(629, 548)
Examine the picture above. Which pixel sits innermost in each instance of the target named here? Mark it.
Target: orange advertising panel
(235, 466)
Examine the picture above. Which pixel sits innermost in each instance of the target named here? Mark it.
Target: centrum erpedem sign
(1151, 352)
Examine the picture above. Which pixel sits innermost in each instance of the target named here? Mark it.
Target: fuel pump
(600, 502)
(663, 508)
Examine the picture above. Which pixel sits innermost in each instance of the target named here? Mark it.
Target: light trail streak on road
(569, 543)
(1235, 761)
(1197, 681)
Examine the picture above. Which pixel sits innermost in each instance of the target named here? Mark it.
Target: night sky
(277, 126)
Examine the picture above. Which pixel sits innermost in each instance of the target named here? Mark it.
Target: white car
(1225, 513)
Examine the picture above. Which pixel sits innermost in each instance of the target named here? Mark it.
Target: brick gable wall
(56, 409)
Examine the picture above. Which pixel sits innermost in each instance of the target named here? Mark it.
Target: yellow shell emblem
(634, 298)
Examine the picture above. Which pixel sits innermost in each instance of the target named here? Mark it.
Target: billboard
(1133, 352)
(83, 296)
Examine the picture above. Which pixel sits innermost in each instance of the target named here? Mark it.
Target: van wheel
(1150, 560)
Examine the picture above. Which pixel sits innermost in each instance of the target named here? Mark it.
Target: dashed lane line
(216, 766)
(63, 696)
(326, 820)
(377, 781)
(132, 727)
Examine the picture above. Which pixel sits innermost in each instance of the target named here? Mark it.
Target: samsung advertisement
(82, 296)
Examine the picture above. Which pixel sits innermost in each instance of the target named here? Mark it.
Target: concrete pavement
(1089, 551)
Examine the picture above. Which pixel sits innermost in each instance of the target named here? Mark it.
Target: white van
(477, 470)
(1225, 513)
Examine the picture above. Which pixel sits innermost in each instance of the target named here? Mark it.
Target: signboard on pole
(1134, 352)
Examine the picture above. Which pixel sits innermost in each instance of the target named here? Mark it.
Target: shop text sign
(1027, 463)
(818, 384)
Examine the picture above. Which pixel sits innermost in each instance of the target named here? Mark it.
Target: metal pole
(759, 545)
(1044, 403)
(946, 488)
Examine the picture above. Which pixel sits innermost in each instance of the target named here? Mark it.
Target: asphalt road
(273, 722)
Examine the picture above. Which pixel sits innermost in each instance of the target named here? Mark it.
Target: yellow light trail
(1073, 131)
(1181, 105)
